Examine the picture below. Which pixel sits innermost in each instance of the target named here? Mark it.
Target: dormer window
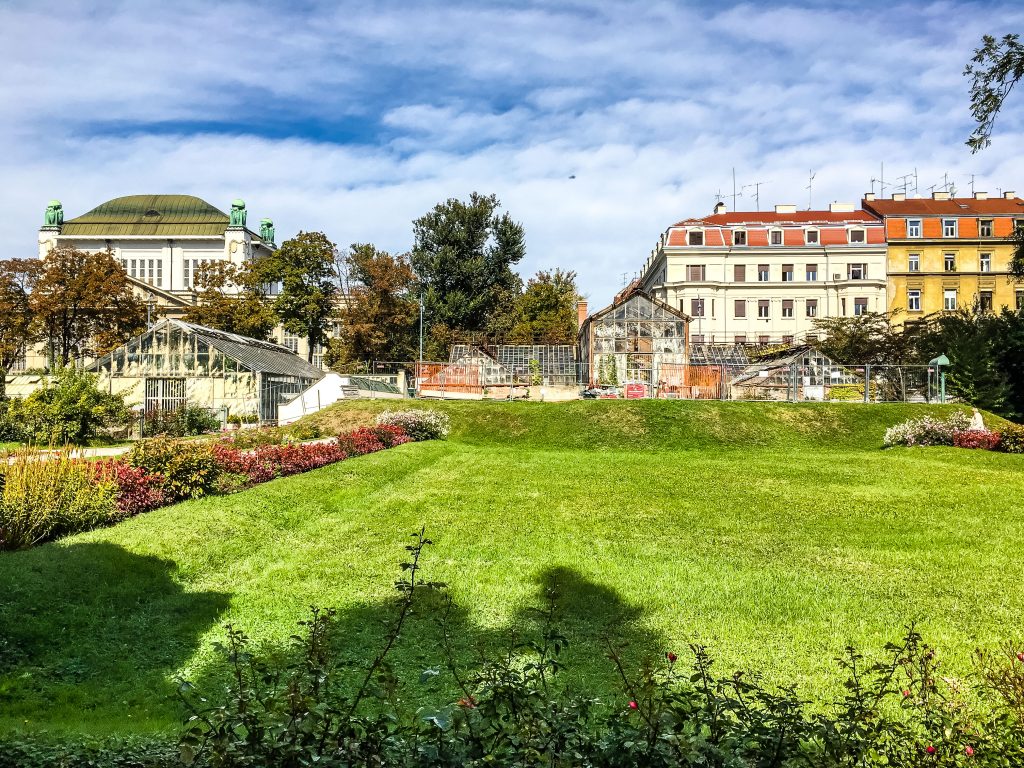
(775, 237)
(811, 237)
(857, 236)
(695, 237)
(984, 227)
(949, 227)
(913, 227)
(739, 237)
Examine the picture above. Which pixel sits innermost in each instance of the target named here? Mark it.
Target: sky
(597, 124)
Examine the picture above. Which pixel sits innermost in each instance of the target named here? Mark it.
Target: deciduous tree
(996, 67)
(232, 299)
(84, 304)
(378, 320)
(17, 278)
(306, 268)
(548, 310)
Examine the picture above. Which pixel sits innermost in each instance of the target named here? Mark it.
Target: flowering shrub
(977, 438)
(927, 430)
(1013, 439)
(418, 425)
(137, 490)
(360, 442)
(391, 435)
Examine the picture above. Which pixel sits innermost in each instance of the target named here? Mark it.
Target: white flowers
(927, 430)
(419, 425)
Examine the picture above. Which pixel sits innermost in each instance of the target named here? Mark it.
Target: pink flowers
(969, 750)
(930, 749)
(906, 693)
(633, 705)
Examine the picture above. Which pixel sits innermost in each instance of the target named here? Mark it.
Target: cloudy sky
(355, 118)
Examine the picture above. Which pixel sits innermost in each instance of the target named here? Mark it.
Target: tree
(548, 310)
(379, 317)
(305, 266)
(871, 338)
(232, 299)
(84, 304)
(17, 278)
(996, 67)
(463, 255)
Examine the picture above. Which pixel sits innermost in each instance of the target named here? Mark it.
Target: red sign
(635, 391)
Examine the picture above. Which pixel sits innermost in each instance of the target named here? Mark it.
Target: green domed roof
(153, 215)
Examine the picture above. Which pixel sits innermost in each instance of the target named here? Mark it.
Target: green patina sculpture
(266, 230)
(237, 213)
(54, 216)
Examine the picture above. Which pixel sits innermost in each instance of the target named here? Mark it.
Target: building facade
(949, 253)
(764, 277)
(162, 241)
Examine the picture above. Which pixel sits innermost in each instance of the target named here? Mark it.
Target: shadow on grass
(92, 624)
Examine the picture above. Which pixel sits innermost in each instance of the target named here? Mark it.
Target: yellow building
(947, 253)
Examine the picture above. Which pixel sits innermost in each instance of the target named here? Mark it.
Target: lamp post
(149, 310)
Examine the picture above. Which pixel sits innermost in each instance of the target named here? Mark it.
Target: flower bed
(41, 500)
(955, 431)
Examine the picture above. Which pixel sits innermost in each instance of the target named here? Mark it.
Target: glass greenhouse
(630, 341)
(175, 363)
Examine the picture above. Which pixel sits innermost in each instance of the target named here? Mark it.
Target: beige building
(764, 277)
(162, 241)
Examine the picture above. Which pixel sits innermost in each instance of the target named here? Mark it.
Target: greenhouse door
(164, 394)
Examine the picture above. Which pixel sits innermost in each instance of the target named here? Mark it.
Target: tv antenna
(810, 188)
(757, 191)
(972, 185)
(904, 185)
(734, 193)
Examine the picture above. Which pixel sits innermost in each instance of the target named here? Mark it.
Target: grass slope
(774, 533)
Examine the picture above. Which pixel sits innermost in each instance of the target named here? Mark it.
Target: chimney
(899, 197)
(719, 207)
(841, 207)
(581, 312)
(1009, 195)
(981, 195)
(785, 208)
(869, 197)
(940, 195)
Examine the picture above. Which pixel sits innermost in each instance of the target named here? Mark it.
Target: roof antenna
(810, 186)
(757, 192)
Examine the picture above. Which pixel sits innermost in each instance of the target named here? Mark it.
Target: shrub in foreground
(188, 470)
(1012, 438)
(981, 439)
(71, 409)
(927, 430)
(360, 442)
(418, 424)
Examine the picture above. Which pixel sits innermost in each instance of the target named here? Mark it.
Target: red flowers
(633, 705)
(906, 693)
(969, 750)
(1020, 656)
(671, 657)
(930, 749)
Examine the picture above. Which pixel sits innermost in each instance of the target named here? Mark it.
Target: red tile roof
(770, 217)
(960, 206)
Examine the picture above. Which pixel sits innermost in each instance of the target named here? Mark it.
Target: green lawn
(773, 533)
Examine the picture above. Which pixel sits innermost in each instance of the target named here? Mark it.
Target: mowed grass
(775, 534)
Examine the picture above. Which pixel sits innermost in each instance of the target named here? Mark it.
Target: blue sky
(355, 118)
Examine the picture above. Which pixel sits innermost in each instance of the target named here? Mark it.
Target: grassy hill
(774, 533)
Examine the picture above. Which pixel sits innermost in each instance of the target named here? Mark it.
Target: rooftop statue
(237, 213)
(54, 216)
(266, 230)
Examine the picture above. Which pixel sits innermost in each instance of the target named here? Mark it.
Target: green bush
(188, 470)
(42, 498)
(186, 421)
(71, 409)
(1013, 438)
(305, 431)
(11, 430)
(18, 751)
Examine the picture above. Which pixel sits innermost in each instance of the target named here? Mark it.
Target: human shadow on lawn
(92, 623)
(592, 618)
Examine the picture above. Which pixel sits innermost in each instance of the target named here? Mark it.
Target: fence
(808, 379)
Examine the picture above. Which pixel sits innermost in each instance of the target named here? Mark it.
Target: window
(913, 301)
(763, 308)
(842, 305)
(984, 227)
(857, 272)
(763, 339)
(695, 238)
(949, 227)
(697, 338)
(787, 340)
(740, 339)
(695, 272)
(913, 227)
(812, 272)
(1020, 300)
(740, 309)
(696, 307)
(291, 341)
(985, 262)
(811, 237)
(914, 262)
(811, 337)
(857, 236)
(985, 301)
(949, 262)
(775, 237)
(787, 307)
(739, 237)
(739, 273)
(1018, 225)
(787, 273)
(860, 307)
(812, 307)
(949, 299)
(762, 273)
